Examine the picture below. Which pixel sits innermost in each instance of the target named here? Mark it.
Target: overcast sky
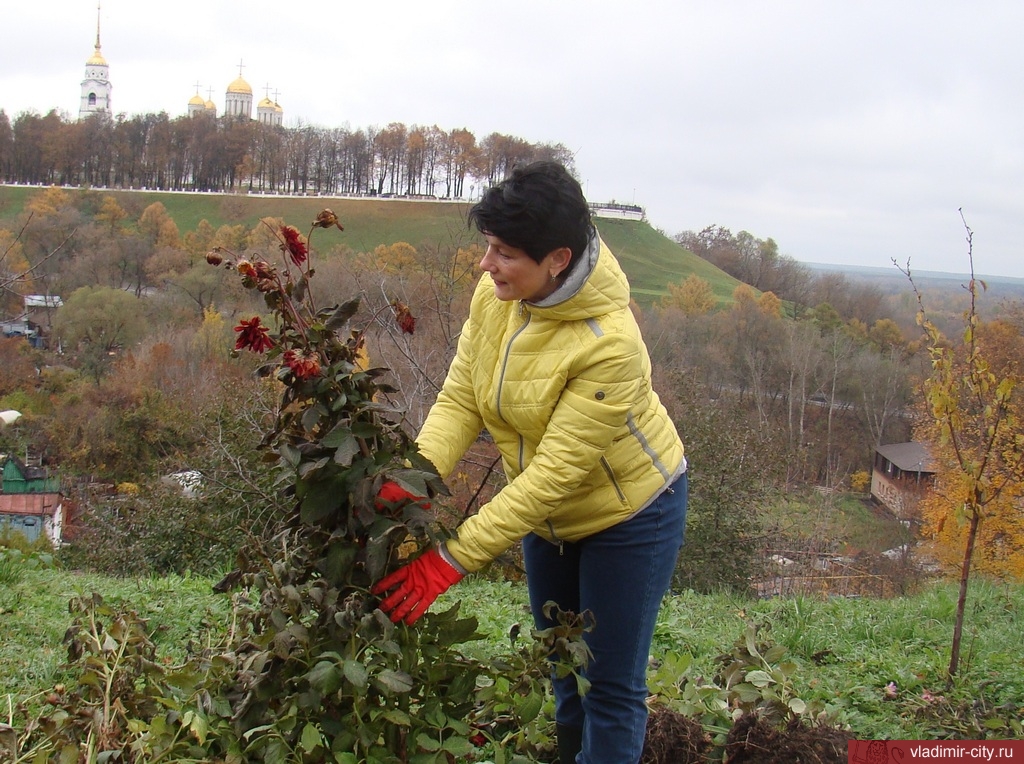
(848, 132)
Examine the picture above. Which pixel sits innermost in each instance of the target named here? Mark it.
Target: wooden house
(901, 473)
(31, 502)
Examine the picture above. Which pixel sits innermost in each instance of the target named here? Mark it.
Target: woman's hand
(392, 493)
(416, 586)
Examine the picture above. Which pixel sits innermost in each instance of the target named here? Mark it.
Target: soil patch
(756, 741)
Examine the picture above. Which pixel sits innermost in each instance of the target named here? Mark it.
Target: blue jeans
(620, 575)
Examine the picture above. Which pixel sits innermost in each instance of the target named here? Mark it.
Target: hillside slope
(652, 261)
(649, 258)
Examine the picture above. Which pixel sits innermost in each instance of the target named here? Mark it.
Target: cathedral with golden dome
(96, 89)
(198, 105)
(238, 103)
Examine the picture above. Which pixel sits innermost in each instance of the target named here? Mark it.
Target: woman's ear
(558, 261)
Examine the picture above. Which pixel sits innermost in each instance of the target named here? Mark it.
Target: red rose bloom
(252, 335)
(294, 245)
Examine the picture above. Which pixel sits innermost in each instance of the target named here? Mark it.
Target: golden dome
(266, 103)
(96, 59)
(210, 105)
(240, 86)
(196, 100)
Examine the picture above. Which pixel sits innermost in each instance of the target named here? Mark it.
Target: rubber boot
(570, 742)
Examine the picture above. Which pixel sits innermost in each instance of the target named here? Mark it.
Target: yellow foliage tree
(200, 241)
(857, 330)
(999, 548)
(464, 266)
(158, 225)
(400, 256)
(234, 238)
(860, 481)
(885, 334)
(15, 271)
(945, 518)
(110, 214)
(264, 236)
(769, 304)
(694, 297)
(166, 263)
(49, 202)
(975, 422)
(213, 339)
(744, 294)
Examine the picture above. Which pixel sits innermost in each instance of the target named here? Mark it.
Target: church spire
(96, 86)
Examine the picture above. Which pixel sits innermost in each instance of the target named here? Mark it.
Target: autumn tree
(389, 258)
(6, 146)
(159, 530)
(15, 272)
(803, 357)
(975, 421)
(50, 223)
(200, 241)
(213, 340)
(117, 430)
(999, 550)
(694, 297)
(751, 329)
(111, 214)
(460, 156)
(881, 386)
(756, 262)
(389, 152)
(231, 237)
(199, 287)
(159, 227)
(239, 238)
(94, 322)
(17, 369)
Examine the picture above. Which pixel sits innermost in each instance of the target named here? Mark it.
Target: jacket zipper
(555, 539)
(611, 478)
(508, 352)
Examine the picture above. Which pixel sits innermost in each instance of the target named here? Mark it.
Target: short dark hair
(538, 208)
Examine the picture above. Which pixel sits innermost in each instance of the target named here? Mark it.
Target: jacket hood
(595, 286)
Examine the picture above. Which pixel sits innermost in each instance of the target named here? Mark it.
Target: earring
(554, 277)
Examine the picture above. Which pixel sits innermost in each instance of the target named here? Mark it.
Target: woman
(552, 364)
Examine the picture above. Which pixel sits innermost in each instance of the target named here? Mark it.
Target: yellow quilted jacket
(564, 388)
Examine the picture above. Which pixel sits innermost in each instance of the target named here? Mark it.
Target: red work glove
(393, 493)
(416, 585)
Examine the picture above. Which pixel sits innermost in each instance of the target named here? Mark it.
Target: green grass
(850, 517)
(651, 261)
(649, 258)
(846, 651)
(34, 617)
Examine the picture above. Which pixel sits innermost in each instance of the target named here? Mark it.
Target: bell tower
(96, 86)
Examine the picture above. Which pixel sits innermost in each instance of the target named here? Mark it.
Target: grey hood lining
(577, 276)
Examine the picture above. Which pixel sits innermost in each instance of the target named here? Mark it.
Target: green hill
(649, 258)
(652, 261)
